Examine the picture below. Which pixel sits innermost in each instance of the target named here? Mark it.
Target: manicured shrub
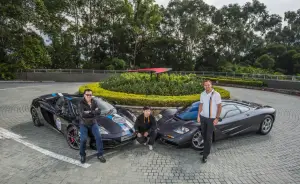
(139, 83)
(237, 81)
(151, 100)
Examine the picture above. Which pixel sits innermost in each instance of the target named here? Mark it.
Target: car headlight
(158, 117)
(102, 130)
(181, 130)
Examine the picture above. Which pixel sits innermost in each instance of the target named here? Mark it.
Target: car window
(185, 109)
(66, 109)
(226, 108)
(194, 108)
(188, 115)
(232, 113)
(243, 108)
(104, 106)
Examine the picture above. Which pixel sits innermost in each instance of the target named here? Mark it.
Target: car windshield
(105, 107)
(187, 113)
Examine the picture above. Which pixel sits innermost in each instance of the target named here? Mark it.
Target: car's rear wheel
(73, 137)
(35, 117)
(266, 125)
(197, 141)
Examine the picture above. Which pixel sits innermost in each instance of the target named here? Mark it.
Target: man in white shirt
(208, 115)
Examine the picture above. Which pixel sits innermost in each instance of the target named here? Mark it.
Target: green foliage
(114, 64)
(6, 71)
(236, 68)
(265, 61)
(296, 61)
(151, 100)
(137, 83)
(237, 81)
(122, 34)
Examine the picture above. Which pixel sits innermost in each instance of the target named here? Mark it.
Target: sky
(273, 6)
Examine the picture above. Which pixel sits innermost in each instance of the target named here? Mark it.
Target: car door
(248, 118)
(230, 120)
(46, 111)
(63, 118)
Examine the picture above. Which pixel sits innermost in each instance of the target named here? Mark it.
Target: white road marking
(23, 87)
(10, 135)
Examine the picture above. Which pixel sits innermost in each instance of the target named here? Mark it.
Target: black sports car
(60, 110)
(180, 127)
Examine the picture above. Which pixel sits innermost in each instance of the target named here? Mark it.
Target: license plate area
(126, 137)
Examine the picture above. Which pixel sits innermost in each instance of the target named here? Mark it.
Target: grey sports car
(180, 127)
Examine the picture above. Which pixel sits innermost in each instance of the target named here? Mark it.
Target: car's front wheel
(73, 137)
(35, 117)
(197, 141)
(266, 125)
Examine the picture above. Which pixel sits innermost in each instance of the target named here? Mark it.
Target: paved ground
(252, 158)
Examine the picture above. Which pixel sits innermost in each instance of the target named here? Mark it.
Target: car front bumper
(175, 138)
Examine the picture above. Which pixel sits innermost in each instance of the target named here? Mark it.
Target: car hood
(116, 124)
(174, 123)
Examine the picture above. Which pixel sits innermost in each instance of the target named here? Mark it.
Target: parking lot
(41, 155)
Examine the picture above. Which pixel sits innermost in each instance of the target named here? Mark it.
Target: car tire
(35, 117)
(197, 141)
(266, 125)
(73, 137)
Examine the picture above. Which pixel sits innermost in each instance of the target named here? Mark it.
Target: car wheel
(73, 137)
(197, 141)
(35, 117)
(266, 125)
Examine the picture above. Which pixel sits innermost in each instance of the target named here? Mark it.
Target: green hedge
(228, 80)
(151, 100)
(140, 83)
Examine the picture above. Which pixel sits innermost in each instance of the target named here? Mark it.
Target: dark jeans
(152, 135)
(83, 138)
(207, 128)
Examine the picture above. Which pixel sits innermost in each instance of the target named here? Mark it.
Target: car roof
(234, 102)
(56, 95)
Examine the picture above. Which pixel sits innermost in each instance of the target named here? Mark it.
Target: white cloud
(273, 6)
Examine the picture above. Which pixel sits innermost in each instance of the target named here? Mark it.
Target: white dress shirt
(215, 100)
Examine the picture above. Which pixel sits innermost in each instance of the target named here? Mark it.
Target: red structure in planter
(153, 70)
(156, 70)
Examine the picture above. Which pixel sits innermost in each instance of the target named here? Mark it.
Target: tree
(265, 61)
(121, 34)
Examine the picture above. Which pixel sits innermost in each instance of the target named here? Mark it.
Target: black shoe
(204, 159)
(201, 153)
(102, 159)
(82, 159)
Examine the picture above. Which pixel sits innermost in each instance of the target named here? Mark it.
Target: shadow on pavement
(52, 140)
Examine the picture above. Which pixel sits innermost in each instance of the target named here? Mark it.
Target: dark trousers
(207, 128)
(152, 134)
(83, 138)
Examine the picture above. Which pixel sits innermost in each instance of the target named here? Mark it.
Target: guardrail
(204, 73)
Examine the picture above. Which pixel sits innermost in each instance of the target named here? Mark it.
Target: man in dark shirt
(145, 126)
(88, 110)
